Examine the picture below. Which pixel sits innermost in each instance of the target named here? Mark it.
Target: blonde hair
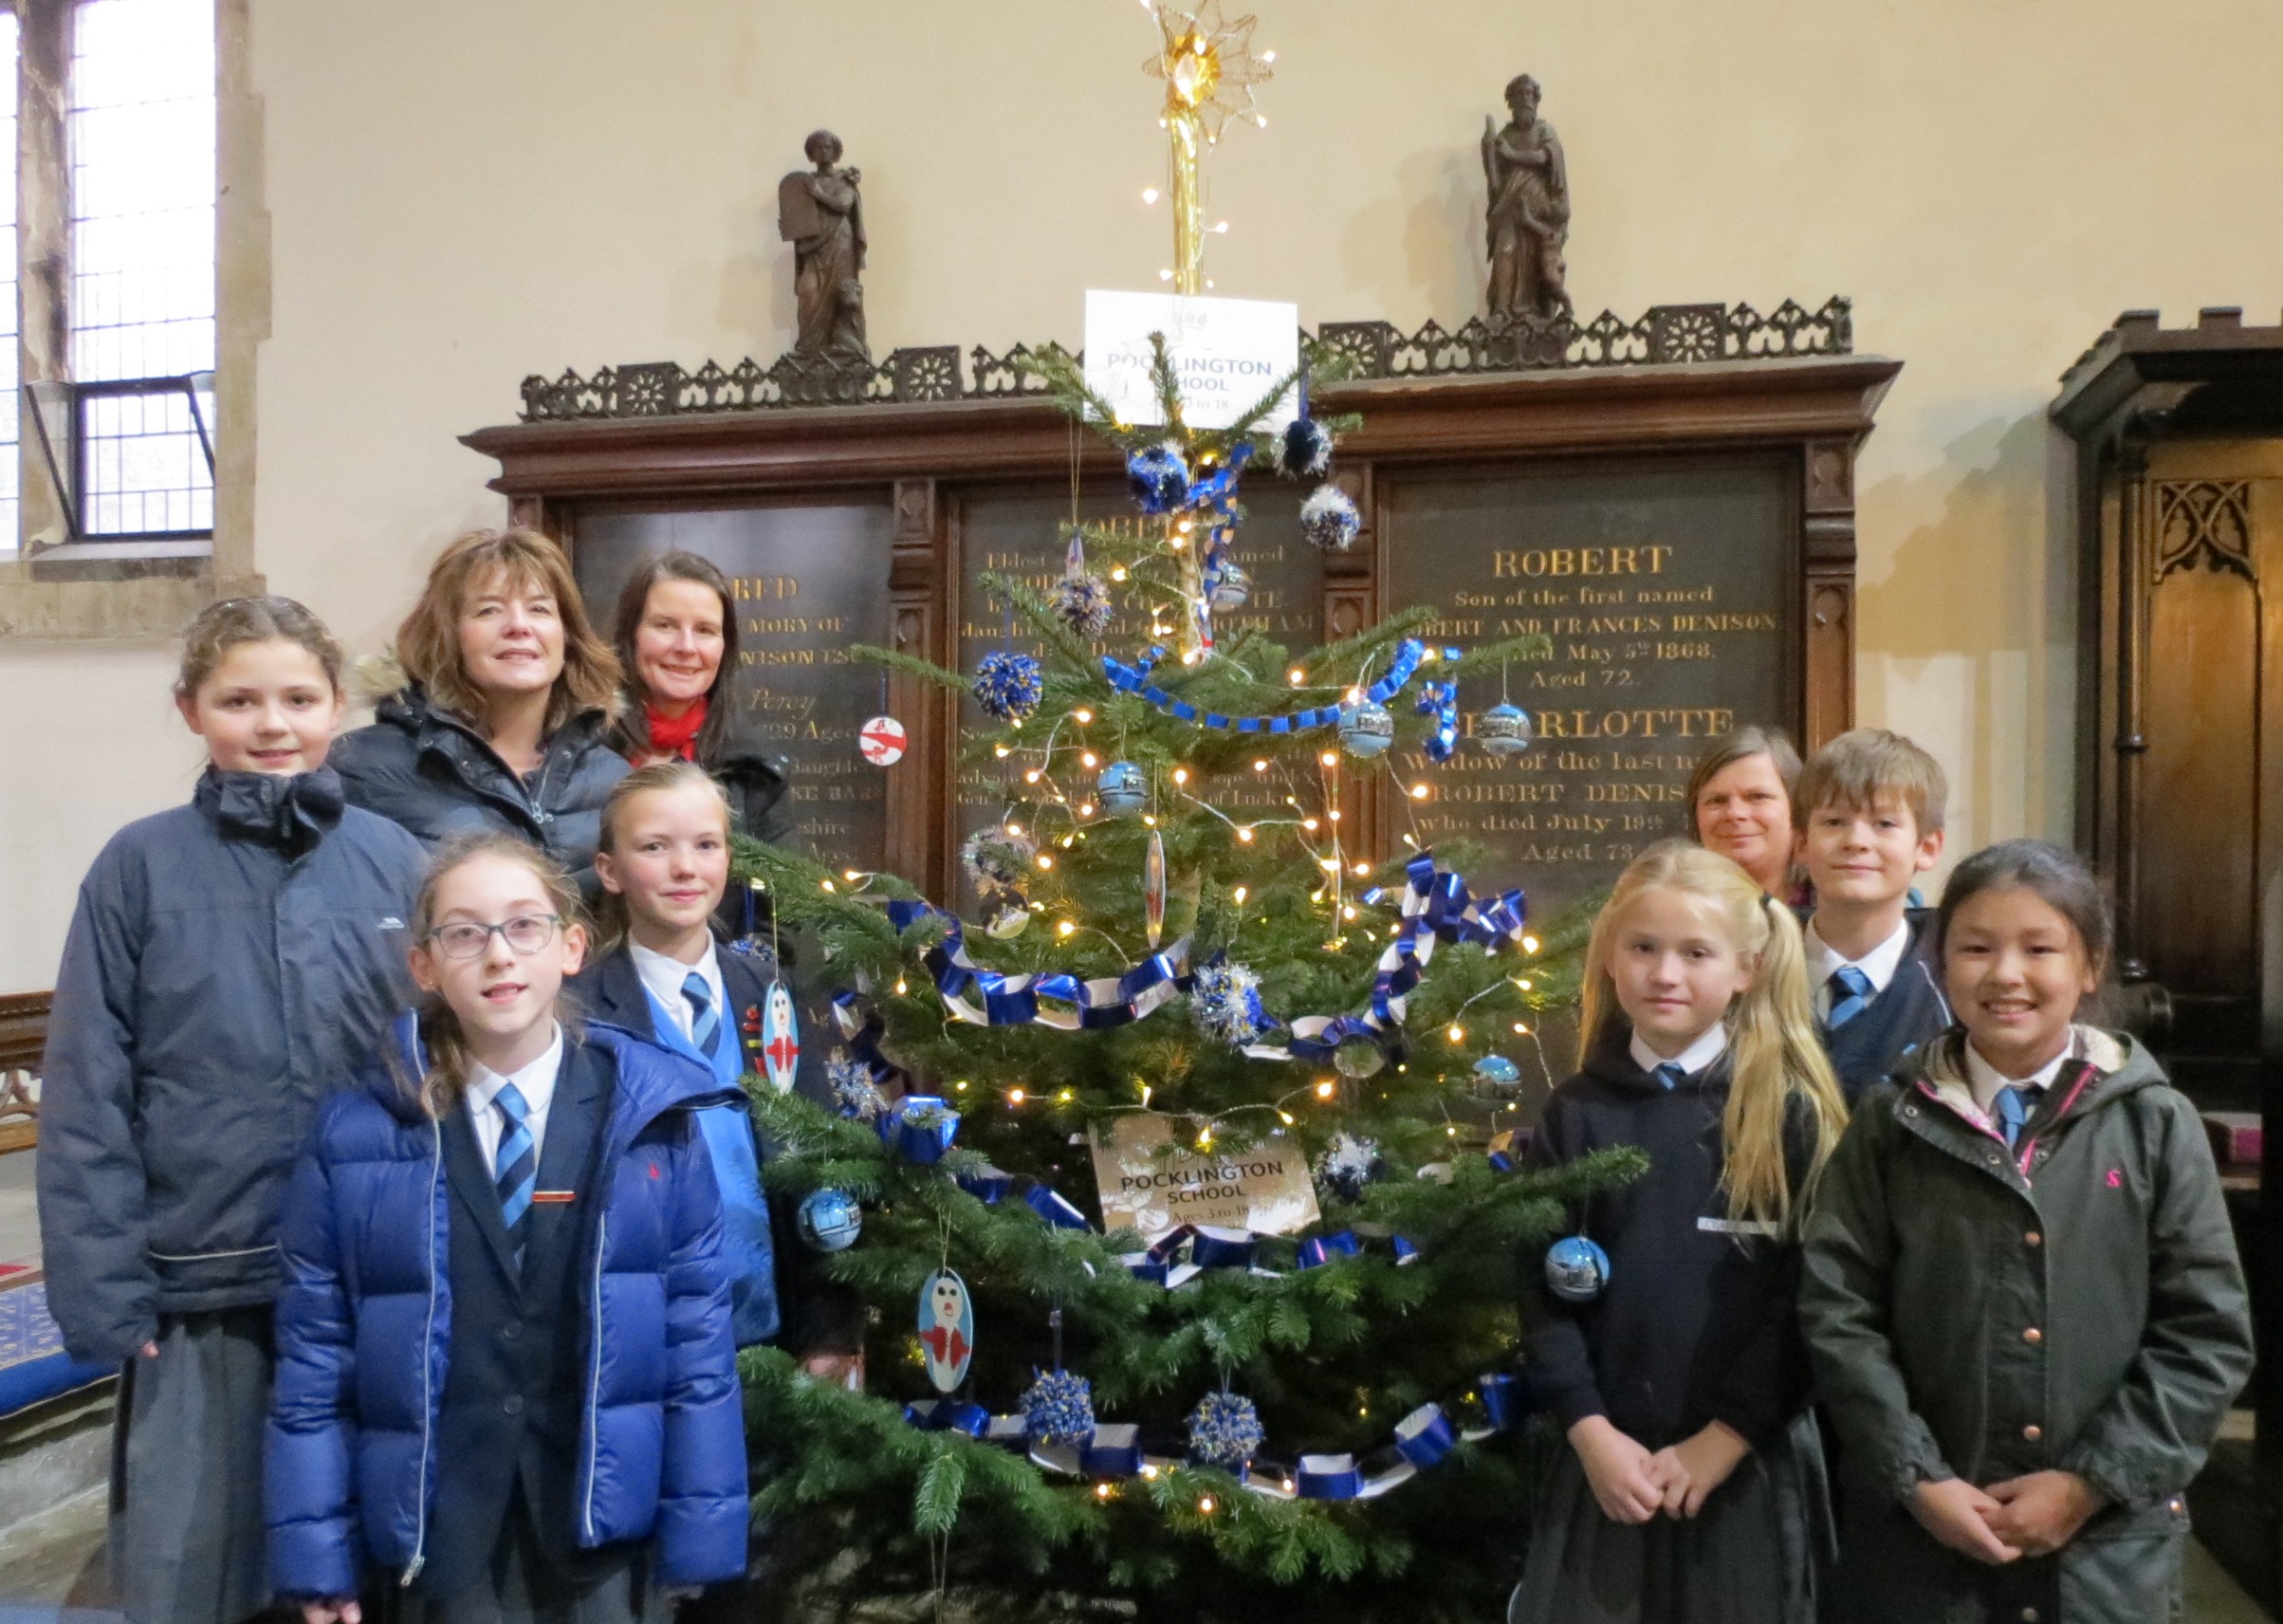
(428, 643)
(1857, 767)
(441, 1035)
(611, 916)
(1774, 1054)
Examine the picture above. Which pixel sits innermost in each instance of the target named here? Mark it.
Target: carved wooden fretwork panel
(2205, 521)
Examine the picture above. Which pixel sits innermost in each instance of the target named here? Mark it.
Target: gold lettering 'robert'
(1525, 562)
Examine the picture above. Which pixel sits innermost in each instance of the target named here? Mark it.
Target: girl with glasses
(507, 1381)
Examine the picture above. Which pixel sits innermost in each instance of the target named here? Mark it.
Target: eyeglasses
(526, 933)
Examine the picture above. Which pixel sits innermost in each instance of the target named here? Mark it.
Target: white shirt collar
(1878, 966)
(1985, 1079)
(1691, 1059)
(664, 975)
(535, 1082)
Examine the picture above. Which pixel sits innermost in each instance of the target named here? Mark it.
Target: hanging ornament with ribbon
(1081, 596)
(779, 1038)
(947, 1329)
(1154, 889)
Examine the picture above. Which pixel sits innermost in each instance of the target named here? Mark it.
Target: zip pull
(412, 1572)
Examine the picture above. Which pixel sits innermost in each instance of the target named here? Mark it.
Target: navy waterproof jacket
(427, 769)
(364, 1330)
(229, 961)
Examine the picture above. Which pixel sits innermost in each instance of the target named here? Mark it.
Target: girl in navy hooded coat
(229, 961)
(505, 1375)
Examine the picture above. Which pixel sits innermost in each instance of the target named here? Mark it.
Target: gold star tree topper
(1209, 69)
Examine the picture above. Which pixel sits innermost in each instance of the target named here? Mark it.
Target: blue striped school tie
(2012, 1108)
(518, 1164)
(1668, 1076)
(705, 1021)
(1850, 992)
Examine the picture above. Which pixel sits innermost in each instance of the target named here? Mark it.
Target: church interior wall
(458, 196)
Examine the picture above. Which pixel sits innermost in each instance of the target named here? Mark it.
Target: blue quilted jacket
(364, 1326)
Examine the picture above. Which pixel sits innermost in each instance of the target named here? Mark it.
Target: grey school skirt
(186, 1471)
(1752, 1556)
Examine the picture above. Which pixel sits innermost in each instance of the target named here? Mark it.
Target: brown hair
(630, 734)
(1775, 1057)
(1735, 747)
(1858, 767)
(611, 918)
(233, 622)
(428, 644)
(440, 1089)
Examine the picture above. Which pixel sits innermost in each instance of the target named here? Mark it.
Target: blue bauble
(1329, 518)
(1497, 1077)
(1576, 1269)
(1159, 477)
(1307, 449)
(1505, 729)
(1366, 730)
(1122, 789)
(1227, 585)
(830, 1220)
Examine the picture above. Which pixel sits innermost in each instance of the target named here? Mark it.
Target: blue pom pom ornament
(1058, 1408)
(1159, 477)
(1007, 685)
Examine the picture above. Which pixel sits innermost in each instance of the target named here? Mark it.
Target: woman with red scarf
(676, 636)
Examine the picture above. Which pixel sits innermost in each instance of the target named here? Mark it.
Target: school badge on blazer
(779, 1038)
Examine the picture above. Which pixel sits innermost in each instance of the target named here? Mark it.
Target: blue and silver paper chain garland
(1437, 907)
(992, 998)
(1409, 655)
(1422, 1439)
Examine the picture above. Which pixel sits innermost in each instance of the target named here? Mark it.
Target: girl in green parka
(2021, 1295)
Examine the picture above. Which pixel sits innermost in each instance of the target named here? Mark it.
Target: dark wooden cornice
(1724, 405)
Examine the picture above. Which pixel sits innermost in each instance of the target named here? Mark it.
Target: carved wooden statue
(822, 213)
(1529, 210)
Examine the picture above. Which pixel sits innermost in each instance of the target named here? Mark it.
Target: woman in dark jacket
(675, 636)
(499, 712)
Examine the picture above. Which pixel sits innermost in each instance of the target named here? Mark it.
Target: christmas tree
(1078, 1404)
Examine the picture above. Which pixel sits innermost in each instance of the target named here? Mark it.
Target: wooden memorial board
(1470, 489)
(808, 577)
(1667, 592)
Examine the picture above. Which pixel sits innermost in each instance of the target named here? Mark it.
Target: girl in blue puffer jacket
(506, 1372)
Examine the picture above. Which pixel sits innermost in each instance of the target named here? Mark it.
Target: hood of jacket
(2103, 1069)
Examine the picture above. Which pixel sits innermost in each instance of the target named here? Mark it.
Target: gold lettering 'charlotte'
(1663, 595)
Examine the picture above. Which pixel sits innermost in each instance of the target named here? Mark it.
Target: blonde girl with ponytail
(1671, 1362)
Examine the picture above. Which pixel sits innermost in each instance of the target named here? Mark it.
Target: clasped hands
(2030, 1516)
(1633, 1484)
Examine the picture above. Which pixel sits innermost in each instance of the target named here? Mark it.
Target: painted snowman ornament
(947, 1329)
(779, 1038)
